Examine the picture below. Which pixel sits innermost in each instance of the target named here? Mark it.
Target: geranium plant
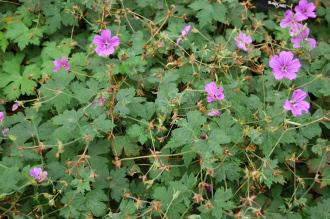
(164, 109)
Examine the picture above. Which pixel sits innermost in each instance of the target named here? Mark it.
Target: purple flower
(242, 41)
(184, 33)
(296, 29)
(2, 116)
(61, 63)
(178, 40)
(15, 106)
(284, 66)
(297, 105)
(105, 43)
(101, 100)
(185, 30)
(214, 93)
(303, 37)
(289, 19)
(214, 113)
(304, 10)
(5, 132)
(38, 174)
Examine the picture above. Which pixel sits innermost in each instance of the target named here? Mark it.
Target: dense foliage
(163, 109)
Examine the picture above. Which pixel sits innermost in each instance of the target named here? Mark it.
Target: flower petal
(299, 95)
(210, 88)
(278, 74)
(104, 52)
(57, 65)
(296, 111)
(114, 41)
(304, 106)
(287, 105)
(274, 62)
(214, 112)
(311, 42)
(106, 34)
(98, 40)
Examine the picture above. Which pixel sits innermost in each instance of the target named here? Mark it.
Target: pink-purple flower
(242, 41)
(61, 63)
(284, 66)
(305, 10)
(297, 105)
(2, 116)
(15, 106)
(214, 93)
(296, 29)
(105, 43)
(185, 30)
(214, 113)
(101, 100)
(38, 174)
(184, 33)
(301, 37)
(289, 19)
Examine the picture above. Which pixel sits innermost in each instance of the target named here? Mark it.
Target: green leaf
(8, 179)
(53, 18)
(123, 143)
(124, 97)
(222, 202)
(56, 170)
(205, 15)
(81, 185)
(94, 202)
(271, 173)
(75, 204)
(195, 119)
(56, 91)
(22, 35)
(189, 130)
(162, 194)
(325, 177)
(311, 131)
(3, 42)
(166, 92)
(220, 12)
(138, 132)
(68, 119)
(14, 82)
(228, 170)
(320, 147)
(118, 183)
(219, 136)
(321, 210)
(207, 12)
(103, 124)
(127, 206)
(82, 93)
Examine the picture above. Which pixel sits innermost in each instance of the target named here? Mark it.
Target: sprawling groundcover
(164, 109)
